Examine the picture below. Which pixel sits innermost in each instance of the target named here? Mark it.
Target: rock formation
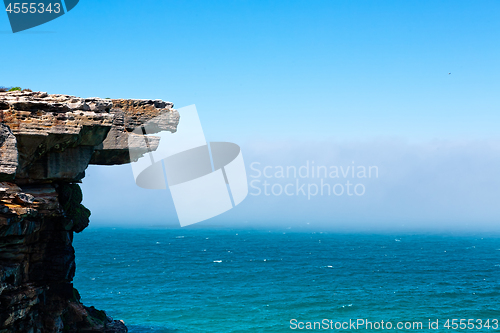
(46, 143)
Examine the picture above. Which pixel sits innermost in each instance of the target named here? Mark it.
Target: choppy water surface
(185, 280)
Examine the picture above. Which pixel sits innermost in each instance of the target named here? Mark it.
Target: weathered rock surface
(8, 153)
(46, 143)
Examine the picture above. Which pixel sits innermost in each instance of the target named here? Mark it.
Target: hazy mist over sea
(440, 185)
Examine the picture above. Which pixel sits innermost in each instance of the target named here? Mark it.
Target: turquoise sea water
(202, 280)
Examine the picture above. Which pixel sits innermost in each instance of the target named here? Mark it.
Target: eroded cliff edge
(46, 143)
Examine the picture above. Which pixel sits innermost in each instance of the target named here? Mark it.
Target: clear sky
(368, 80)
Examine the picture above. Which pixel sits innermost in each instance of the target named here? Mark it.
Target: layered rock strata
(46, 143)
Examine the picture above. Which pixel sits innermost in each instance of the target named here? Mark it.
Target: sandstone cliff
(46, 143)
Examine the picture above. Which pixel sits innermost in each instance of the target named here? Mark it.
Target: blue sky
(317, 73)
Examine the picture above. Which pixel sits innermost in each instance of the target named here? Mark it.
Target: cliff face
(46, 143)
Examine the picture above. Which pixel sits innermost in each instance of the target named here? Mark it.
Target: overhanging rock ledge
(46, 143)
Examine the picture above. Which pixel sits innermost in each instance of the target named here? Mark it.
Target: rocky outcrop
(46, 143)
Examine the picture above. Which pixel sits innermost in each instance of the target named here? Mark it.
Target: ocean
(220, 280)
